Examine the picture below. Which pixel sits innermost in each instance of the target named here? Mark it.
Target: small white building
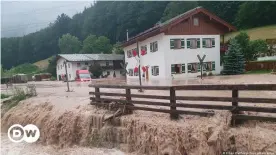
(169, 50)
(110, 64)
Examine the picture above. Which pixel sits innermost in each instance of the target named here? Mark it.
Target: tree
(96, 70)
(89, 44)
(175, 8)
(69, 44)
(233, 60)
(254, 14)
(258, 47)
(52, 67)
(243, 41)
(102, 45)
(117, 48)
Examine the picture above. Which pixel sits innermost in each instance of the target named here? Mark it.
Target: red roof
(164, 26)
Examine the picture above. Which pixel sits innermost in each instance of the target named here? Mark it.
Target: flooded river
(10, 148)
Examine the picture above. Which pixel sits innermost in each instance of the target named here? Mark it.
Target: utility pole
(139, 68)
(65, 64)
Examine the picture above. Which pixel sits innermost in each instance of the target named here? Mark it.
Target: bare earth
(60, 101)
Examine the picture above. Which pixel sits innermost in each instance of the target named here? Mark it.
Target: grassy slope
(265, 32)
(42, 64)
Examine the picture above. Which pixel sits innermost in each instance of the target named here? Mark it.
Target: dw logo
(17, 133)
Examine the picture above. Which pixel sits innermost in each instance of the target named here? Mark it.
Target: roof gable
(160, 28)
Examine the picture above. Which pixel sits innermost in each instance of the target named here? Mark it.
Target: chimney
(127, 35)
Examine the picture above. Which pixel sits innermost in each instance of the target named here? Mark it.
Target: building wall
(150, 59)
(72, 67)
(180, 56)
(165, 56)
(206, 26)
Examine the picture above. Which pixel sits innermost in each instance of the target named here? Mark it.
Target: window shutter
(151, 48)
(189, 68)
(182, 43)
(213, 66)
(183, 68)
(172, 43)
(204, 66)
(203, 43)
(188, 43)
(213, 42)
(198, 43)
(198, 67)
(152, 72)
(173, 69)
(156, 46)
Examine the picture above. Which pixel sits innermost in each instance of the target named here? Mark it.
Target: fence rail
(172, 99)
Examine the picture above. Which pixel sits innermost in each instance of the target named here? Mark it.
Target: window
(129, 54)
(196, 22)
(208, 42)
(107, 63)
(177, 43)
(108, 72)
(213, 66)
(193, 67)
(153, 46)
(78, 64)
(155, 70)
(193, 43)
(130, 72)
(177, 68)
(209, 66)
(144, 50)
(86, 63)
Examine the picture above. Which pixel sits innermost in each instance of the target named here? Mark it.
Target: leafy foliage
(110, 20)
(69, 44)
(251, 49)
(52, 66)
(234, 59)
(26, 68)
(96, 70)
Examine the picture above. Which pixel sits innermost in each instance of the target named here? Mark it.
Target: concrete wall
(165, 56)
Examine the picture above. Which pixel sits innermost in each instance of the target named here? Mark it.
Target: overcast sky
(23, 17)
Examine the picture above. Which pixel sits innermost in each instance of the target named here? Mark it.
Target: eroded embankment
(140, 133)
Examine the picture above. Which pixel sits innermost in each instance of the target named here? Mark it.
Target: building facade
(110, 63)
(170, 50)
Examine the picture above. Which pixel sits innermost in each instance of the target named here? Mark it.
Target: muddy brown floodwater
(66, 119)
(10, 148)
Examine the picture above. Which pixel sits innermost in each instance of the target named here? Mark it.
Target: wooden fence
(260, 65)
(235, 108)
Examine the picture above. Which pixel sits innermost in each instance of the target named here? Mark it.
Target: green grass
(265, 32)
(258, 72)
(4, 96)
(42, 64)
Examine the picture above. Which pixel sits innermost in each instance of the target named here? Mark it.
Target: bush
(210, 74)
(4, 96)
(204, 74)
(53, 78)
(96, 70)
(19, 94)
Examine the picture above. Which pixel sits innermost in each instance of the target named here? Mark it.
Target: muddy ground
(66, 119)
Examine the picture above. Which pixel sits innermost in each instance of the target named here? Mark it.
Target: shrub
(204, 74)
(4, 96)
(53, 78)
(210, 74)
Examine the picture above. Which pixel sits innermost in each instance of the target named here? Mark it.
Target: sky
(19, 18)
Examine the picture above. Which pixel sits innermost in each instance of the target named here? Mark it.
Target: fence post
(173, 115)
(98, 97)
(128, 97)
(235, 94)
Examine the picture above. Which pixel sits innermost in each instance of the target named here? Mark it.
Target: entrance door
(147, 74)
